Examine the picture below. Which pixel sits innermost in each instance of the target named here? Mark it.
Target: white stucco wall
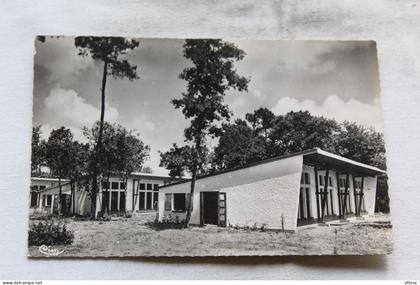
(259, 194)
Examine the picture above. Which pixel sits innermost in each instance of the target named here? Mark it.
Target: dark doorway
(209, 207)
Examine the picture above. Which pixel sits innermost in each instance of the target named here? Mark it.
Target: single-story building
(141, 194)
(39, 184)
(284, 192)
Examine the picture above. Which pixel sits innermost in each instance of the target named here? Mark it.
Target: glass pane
(149, 201)
(149, 186)
(142, 186)
(141, 201)
(155, 200)
(114, 201)
(222, 204)
(122, 201)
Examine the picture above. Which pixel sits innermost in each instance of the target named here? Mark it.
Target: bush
(168, 222)
(49, 233)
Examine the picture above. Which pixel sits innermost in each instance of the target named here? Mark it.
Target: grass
(131, 237)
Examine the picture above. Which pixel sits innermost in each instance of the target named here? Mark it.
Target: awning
(326, 160)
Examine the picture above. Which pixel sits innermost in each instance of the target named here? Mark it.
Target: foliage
(38, 151)
(65, 157)
(238, 146)
(122, 151)
(49, 233)
(212, 74)
(111, 51)
(298, 131)
(361, 144)
(168, 222)
(261, 120)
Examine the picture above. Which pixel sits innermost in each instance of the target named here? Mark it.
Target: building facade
(283, 193)
(141, 194)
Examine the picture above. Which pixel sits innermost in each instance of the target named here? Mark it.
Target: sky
(334, 79)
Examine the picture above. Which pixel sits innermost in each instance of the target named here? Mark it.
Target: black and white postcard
(206, 147)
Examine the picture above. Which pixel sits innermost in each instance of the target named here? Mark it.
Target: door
(210, 208)
(222, 209)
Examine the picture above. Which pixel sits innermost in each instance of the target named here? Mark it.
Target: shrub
(168, 222)
(49, 233)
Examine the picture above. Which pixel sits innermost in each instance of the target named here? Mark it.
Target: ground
(131, 237)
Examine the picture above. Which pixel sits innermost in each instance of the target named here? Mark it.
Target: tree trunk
(193, 179)
(98, 152)
(190, 206)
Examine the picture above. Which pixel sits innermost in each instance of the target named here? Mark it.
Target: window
(42, 187)
(155, 200)
(180, 202)
(122, 201)
(155, 187)
(321, 180)
(141, 200)
(148, 200)
(305, 178)
(168, 202)
(48, 201)
(114, 185)
(114, 201)
(34, 199)
(142, 186)
(34, 188)
(122, 185)
(149, 186)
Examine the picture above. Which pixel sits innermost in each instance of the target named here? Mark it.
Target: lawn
(131, 237)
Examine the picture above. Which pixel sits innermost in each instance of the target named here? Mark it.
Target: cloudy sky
(333, 79)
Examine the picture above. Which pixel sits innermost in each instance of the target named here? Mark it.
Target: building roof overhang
(326, 160)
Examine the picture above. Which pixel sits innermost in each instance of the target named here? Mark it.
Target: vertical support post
(361, 195)
(356, 210)
(346, 193)
(337, 174)
(317, 193)
(325, 193)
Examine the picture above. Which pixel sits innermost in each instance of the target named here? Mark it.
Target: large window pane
(114, 201)
(141, 201)
(149, 200)
(155, 200)
(122, 201)
(179, 202)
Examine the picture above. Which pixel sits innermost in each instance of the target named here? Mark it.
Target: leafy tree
(261, 121)
(78, 167)
(110, 51)
(298, 131)
(38, 151)
(238, 146)
(109, 158)
(361, 144)
(131, 153)
(212, 74)
(59, 157)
